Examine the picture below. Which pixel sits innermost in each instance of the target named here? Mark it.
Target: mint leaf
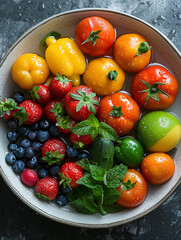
(82, 128)
(87, 181)
(97, 173)
(107, 131)
(110, 195)
(85, 164)
(112, 208)
(128, 185)
(98, 193)
(114, 177)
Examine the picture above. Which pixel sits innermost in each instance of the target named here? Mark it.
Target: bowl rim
(8, 182)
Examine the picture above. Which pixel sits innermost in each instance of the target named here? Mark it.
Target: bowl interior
(163, 52)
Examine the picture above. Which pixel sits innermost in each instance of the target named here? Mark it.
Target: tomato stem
(92, 37)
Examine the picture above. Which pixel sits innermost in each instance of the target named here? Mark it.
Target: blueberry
(82, 155)
(19, 152)
(31, 135)
(41, 161)
(54, 170)
(37, 146)
(42, 172)
(18, 166)
(44, 124)
(23, 130)
(13, 136)
(65, 190)
(32, 163)
(24, 143)
(42, 136)
(29, 153)
(10, 158)
(72, 153)
(34, 127)
(19, 97)
(61, 200)
(12, 147)
(54, 132)
(13, 124)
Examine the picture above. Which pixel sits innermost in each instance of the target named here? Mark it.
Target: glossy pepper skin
(64, 57)
(129, 152)
(28, 70)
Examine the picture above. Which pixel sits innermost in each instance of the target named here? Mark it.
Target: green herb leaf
(114, 177)
(85, 164)
(107, 132)
(42, 197)
(143, 48)
(54, 34)
(6, 105)
(87, 181)
(92, 37)
(110, 195)
(78, 145)
(97, 173)
(21, 115)
(128, 185)
(112, 208)
(98, 193)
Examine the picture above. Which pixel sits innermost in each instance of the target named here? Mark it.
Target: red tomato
(157, 168)
(132, 52)
(154, 88)
(136, 195)
(94, 36)
(119, 111)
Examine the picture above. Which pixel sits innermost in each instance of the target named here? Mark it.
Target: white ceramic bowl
(163, 51)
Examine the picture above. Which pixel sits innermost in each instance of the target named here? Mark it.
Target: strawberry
(29, 112)
(65, 123)
(54, 151)
(80, 102)
(29, 177)
(60, 86)
(7, 108)
(70, 173)
(40, 94)
(53, 110)
(47, 188)
(80, 141)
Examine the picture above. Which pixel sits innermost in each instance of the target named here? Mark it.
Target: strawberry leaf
(53, 158)
(62, 79)
(6, 105)
(64, 180)
(78, 145)
(21, 115)
(57, 109)
(42, 197)
(33, 93)
(64, 122)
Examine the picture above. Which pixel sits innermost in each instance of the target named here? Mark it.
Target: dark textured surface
(17, 221)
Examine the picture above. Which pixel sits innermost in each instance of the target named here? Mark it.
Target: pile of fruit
(74, 136)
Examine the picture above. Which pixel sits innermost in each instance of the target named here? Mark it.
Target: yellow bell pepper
(64, 57)
(29, 69)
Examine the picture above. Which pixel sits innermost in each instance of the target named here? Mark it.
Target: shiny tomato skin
(157, 168)
(124, 50)
(103, 44)
(151, 75)
(135, 196)
(130, 109)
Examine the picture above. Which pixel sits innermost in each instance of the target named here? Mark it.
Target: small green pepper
(129, 152)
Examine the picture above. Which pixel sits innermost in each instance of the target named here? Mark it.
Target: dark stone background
(19, 222)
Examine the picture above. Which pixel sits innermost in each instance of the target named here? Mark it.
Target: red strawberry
(54, 151)
(60, 86)
(40, 94)
(29, 177)
(80, 102)
(53, 110)
(7, 108)
(65, 123)
(29, 112)
(73, 172)
(47, 188)
(80, 141)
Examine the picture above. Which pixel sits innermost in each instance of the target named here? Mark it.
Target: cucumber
(102, 152)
